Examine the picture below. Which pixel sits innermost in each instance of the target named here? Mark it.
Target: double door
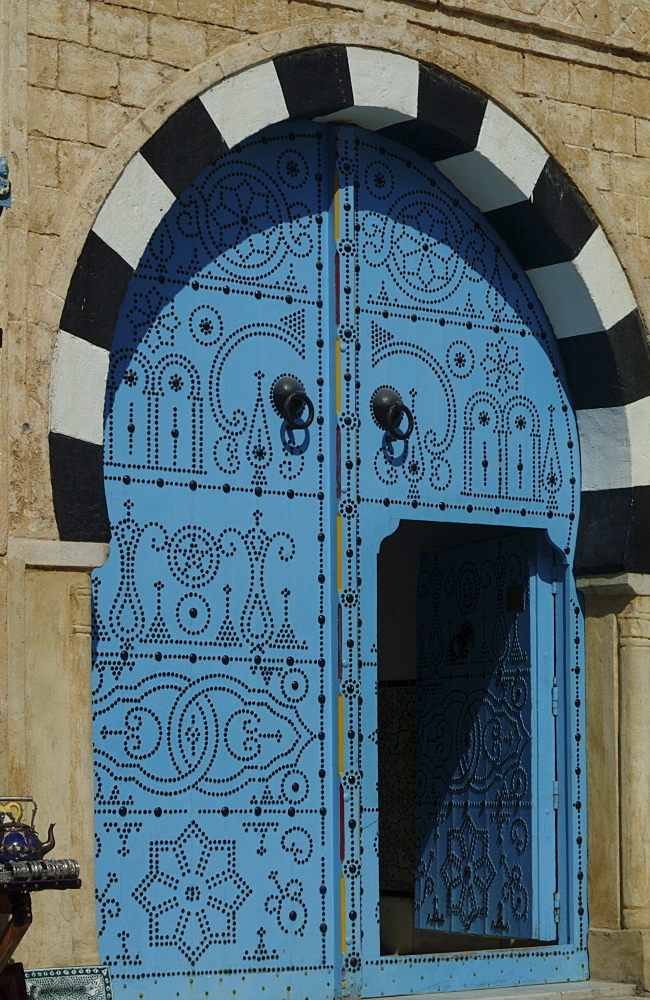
(252, 477)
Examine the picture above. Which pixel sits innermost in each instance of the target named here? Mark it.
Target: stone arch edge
(483, 149)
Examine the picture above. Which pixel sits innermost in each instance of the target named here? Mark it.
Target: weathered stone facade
(84, 84)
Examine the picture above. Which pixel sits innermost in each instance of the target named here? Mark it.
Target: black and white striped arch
(491, 158)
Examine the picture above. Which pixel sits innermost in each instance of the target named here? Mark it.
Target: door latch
(290, 399)
(388, 408)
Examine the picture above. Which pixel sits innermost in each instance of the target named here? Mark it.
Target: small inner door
(466, 740)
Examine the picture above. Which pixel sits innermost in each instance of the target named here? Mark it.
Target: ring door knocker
(290, 399)
(388, 407)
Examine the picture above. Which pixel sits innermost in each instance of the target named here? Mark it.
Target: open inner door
(466, 739)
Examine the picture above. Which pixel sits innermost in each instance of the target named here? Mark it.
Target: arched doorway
(236, 703)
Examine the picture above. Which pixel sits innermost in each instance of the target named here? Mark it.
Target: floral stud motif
(502, 366)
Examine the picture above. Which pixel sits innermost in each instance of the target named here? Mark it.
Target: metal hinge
(556, 794)
(554, 697)
(556, 907)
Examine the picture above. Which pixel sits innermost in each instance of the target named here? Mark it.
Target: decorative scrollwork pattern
(209, 627)
(234, 625)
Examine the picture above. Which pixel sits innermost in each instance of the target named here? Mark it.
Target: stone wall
(617, 637)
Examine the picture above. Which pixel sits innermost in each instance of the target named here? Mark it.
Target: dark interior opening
(398, 569)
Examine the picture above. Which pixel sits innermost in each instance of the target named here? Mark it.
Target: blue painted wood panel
(448, 320)
(212, 642)
(485, 836)
(434, 307)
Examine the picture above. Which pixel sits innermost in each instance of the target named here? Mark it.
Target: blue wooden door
(213, 684)
(485, 736)
(235, 623)
(433, 308)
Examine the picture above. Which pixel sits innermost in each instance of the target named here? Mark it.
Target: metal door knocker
(290, 399)
(388, 407)
(462, 642)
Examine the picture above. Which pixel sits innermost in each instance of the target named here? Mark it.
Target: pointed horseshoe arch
(236, 653)
(498, 164)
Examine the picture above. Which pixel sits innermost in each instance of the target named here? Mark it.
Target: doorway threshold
(590, 989)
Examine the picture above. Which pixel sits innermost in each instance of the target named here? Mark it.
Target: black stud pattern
(475, 846)
(211, 630)
(487, 439)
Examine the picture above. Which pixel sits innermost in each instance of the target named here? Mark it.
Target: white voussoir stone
(384, 89)
(503, 168)
(613, 446)
(246, 102)
(133, 209)
(585, 295)
(77, 387)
